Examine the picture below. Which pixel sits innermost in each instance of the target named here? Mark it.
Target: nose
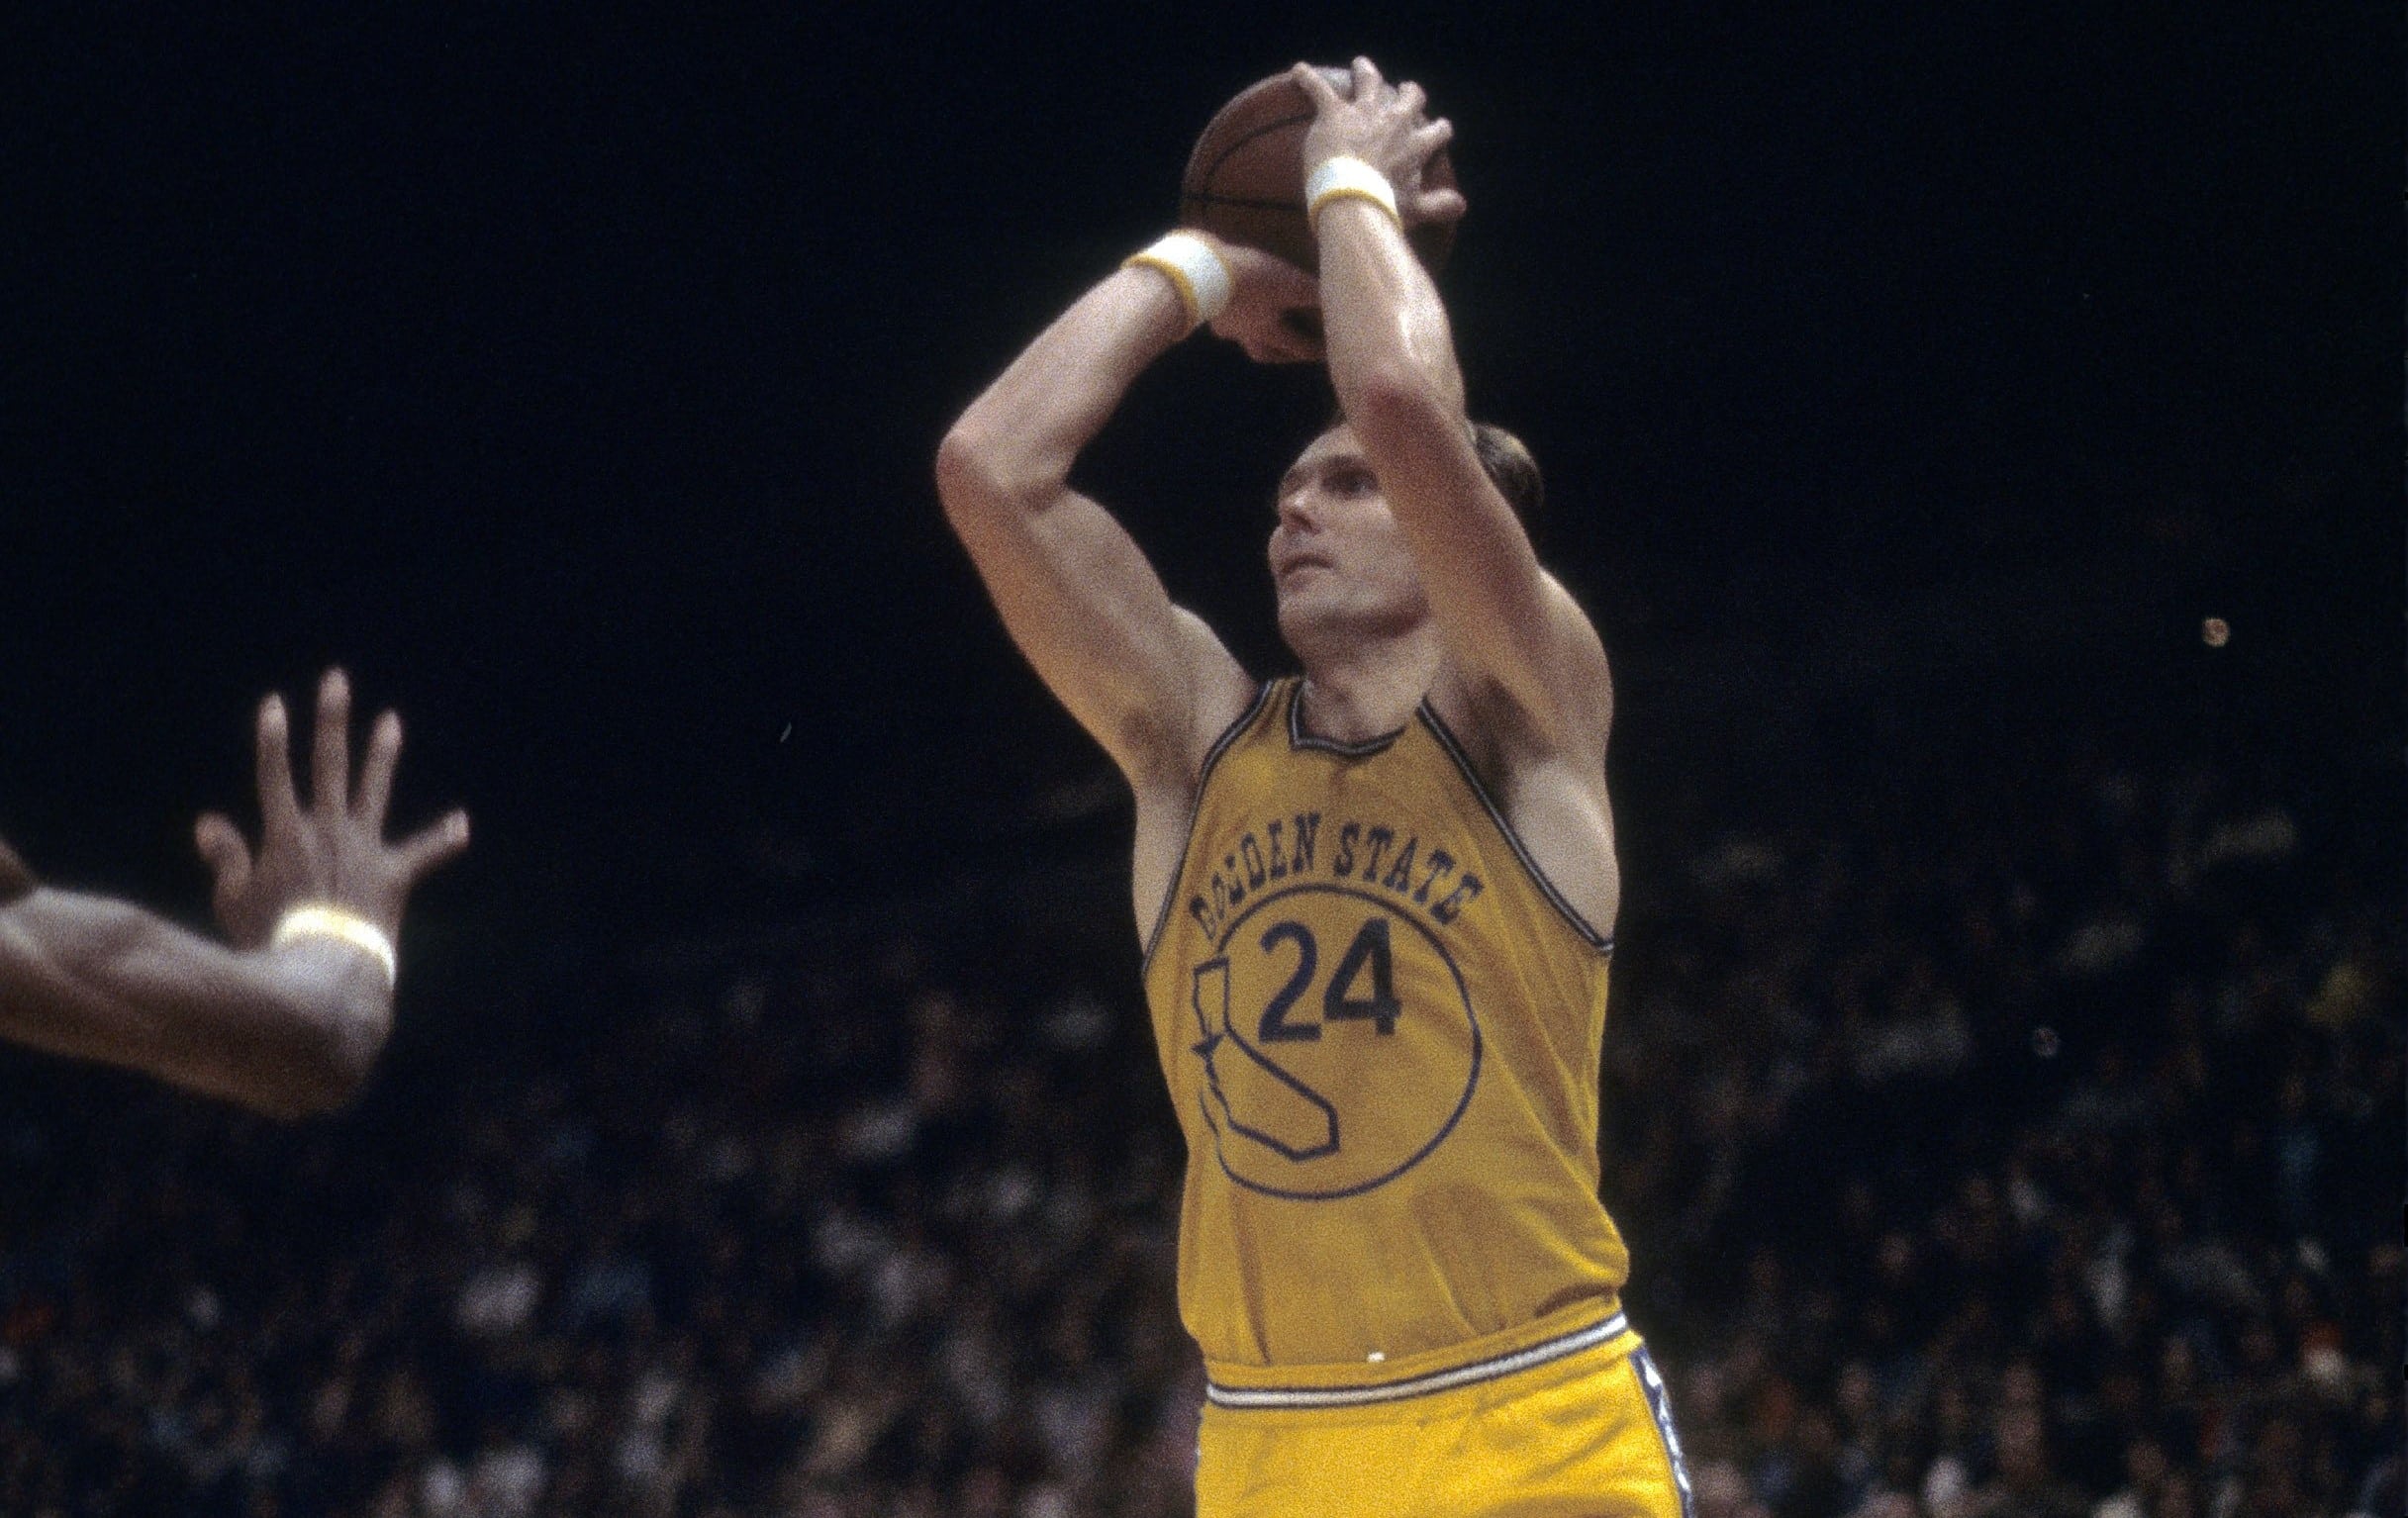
(1296, 508)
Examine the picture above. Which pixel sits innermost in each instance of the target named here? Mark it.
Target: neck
(1370, 689)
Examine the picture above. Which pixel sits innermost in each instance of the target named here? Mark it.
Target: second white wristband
(1194, 270)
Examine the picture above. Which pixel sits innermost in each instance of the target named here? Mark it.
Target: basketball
(1245, 180)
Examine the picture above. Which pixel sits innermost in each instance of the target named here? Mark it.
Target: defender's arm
(287, 1032)
(290, 1020)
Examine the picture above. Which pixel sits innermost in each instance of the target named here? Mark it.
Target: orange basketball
(1245, 180)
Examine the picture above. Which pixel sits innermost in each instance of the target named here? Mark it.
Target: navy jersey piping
(1298, 738)
(1601, 942)
(1204, 777)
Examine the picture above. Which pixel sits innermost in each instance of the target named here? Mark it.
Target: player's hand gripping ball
(1245, 180)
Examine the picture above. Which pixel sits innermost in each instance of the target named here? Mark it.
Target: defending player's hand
(335, 849)
(1266, 295)
(1386, 129)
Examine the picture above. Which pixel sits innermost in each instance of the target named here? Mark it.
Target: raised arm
(289, 1019)
(1509, 629)
(1146, 678)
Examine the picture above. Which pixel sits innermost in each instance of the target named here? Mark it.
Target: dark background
(573, 380)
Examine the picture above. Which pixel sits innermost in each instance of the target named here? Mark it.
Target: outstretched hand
(333, 850)
(1386, 129)
(1270, 305)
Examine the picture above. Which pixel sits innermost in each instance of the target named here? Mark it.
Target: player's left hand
(1386, 128)
(335, 850)
(1268, 296)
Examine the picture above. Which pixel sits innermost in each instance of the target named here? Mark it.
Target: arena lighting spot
(2215, 633)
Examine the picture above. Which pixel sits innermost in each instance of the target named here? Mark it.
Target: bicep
(1145, 677)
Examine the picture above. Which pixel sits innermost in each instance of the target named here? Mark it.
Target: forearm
(1390, 346)
(286, 1032)
(1019, 440)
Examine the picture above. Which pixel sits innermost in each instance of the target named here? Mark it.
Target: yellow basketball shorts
(1588, 1434)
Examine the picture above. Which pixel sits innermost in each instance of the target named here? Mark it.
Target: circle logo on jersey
(1337, 1043)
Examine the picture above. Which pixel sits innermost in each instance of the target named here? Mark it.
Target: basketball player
(1376, 900)
(288, 1019)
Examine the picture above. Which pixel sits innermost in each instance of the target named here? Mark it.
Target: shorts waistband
(1605, 1331)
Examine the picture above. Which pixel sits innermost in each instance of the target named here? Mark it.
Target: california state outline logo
(1335, 1041)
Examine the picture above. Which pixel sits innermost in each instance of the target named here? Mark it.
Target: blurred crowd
(2036, 1150)
(2005, 1144)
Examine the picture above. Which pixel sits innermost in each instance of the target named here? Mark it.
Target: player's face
(1337, 556)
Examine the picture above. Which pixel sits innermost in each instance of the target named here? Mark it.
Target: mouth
(1300, 562)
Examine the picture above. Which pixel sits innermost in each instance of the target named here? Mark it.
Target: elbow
(967, 478)
(983, 476)
(975, 477)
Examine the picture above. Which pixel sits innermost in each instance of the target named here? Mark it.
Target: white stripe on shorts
(1420, 1385)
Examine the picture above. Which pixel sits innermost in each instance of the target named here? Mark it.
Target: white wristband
(1194, 269)
(323, 921)
(1345, 178)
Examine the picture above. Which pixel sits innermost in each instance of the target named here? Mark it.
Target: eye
(1351, 482)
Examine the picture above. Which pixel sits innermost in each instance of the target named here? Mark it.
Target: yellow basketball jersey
(1380, 1027)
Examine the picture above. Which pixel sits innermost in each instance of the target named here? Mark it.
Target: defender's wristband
(319, 920)
(1194, 269)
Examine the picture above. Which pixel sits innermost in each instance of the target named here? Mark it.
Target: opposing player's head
(1338, 558)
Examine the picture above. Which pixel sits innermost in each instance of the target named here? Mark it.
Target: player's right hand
(333, 851)
(1266, 292)
(1387, 126)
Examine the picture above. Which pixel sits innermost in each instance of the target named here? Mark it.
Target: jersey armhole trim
(1204, 777)
(1601, 942)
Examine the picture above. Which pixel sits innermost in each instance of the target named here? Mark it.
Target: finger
(377, 773)
(1367, 82)
(1294, 347)
(1430, 139)
(1409, 96)
(279, 809)
(1316, 86)
(1268, 348)
(330, 766)
(431, 846)
(1440, 206)
(224, 850)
